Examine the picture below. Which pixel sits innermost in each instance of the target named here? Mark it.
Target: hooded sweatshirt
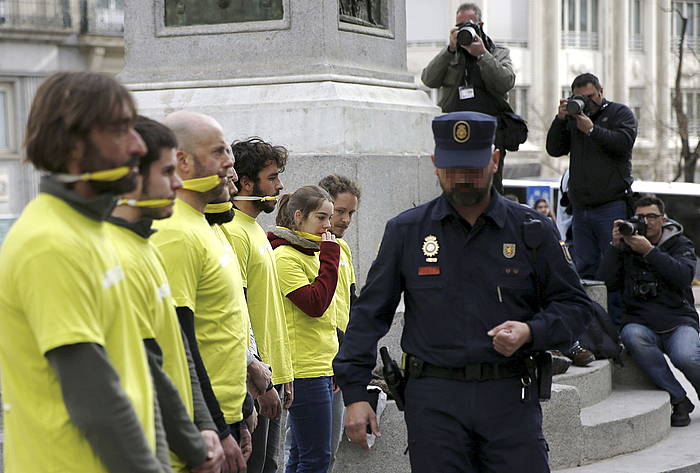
(670, 265)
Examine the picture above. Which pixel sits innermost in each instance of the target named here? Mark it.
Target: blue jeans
(338, 425)
(310, 426)
(592, 232)
(682, 346)
(266, 443)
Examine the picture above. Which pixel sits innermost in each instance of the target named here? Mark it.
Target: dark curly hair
(335, 184)
(253, 154)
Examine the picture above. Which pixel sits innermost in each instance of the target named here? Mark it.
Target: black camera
(577, 104)
(633, 226)
(645, 285)
(467, 33)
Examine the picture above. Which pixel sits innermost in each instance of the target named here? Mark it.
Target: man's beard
(94, 157)
(267, 206)
(466, 195)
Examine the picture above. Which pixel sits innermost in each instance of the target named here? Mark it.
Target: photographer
(472, 77)
(598, 135)
(653, 264)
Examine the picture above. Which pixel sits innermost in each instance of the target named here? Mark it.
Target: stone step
(627, 421)
(593, 382)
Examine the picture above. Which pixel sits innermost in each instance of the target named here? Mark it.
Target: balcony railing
(579, 40)
(636, 42)
(35, 14)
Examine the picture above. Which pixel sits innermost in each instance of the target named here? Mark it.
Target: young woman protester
(307, 257)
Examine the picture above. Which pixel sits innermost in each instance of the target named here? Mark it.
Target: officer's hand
(616, 235)
(328, 236)
(509, 336)
(453, 40)
(477, 47)
(583, 123)
(561, 113)
(638, 244)
(358, 416)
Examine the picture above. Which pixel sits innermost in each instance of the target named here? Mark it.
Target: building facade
(631, 45)
(38, 37)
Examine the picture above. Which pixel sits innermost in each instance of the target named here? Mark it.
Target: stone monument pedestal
(333, 89)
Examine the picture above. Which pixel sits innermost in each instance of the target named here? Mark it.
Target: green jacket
(446, 71)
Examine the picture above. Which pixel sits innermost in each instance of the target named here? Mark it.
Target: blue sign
(538, 192)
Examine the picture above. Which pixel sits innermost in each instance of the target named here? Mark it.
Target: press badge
(466, 93)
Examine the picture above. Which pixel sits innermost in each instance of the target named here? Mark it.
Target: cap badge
(509, 250)
(461, 131)
(431, 248)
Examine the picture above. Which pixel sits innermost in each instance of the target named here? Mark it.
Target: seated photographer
(472, 72)
(653, 264)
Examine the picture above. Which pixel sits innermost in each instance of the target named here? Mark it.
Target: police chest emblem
(509, 250)
(461, 131)
(431, 248)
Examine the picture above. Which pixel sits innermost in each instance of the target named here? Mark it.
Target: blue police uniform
(459, 281)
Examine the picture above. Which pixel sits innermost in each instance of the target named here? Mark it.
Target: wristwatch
(588, 133)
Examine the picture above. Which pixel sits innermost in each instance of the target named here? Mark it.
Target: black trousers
(474, 427)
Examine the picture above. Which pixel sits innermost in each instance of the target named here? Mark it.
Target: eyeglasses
(648, 216)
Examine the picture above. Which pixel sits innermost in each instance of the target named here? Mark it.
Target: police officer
(485, 284)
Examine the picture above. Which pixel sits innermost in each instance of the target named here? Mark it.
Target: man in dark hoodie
(654, 269)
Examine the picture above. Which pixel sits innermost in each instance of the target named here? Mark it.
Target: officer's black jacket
(600, 170)
(486, 277)
(672, 262)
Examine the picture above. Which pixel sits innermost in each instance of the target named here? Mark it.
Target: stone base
(374, 132)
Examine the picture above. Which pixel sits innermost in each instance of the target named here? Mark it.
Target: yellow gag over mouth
(252, 197)
(108, 175)
(218, 208)
(202, 184)
(151, 204)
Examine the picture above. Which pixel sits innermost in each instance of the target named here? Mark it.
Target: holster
(394, 378)
(543, 363)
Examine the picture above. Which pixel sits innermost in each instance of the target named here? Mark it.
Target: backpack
(601, 336)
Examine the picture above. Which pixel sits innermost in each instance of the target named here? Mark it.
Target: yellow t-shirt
(313, 340)
(346, 278)
(61, 284)
(153, 304)
(265, 301)
(202, 273)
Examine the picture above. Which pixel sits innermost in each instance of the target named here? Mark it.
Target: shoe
(680, 417)
(580, 356)
(560, 363)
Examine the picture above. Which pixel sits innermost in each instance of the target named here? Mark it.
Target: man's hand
(616, 235)
(509, 336)
(583, 123)
(561, 113)
(639, 244)
(358, 416)
(234, 462)
(453, 40)
(259, 376)
(270, 404)
(288, 391)
(246, 444)
(252, 421)
(476, 48)
(215, 453)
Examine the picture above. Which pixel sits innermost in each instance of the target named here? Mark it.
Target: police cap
(463, 139)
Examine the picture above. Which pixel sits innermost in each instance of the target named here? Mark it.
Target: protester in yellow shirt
(179, 394)
(346, 199)
(75, 377)
(258, 165)
(307, 255)
(202, 277)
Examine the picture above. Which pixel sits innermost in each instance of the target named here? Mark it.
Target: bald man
(204, 276)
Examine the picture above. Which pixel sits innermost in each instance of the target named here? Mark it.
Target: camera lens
(627, 228)
(574, 106)
(466, 35)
